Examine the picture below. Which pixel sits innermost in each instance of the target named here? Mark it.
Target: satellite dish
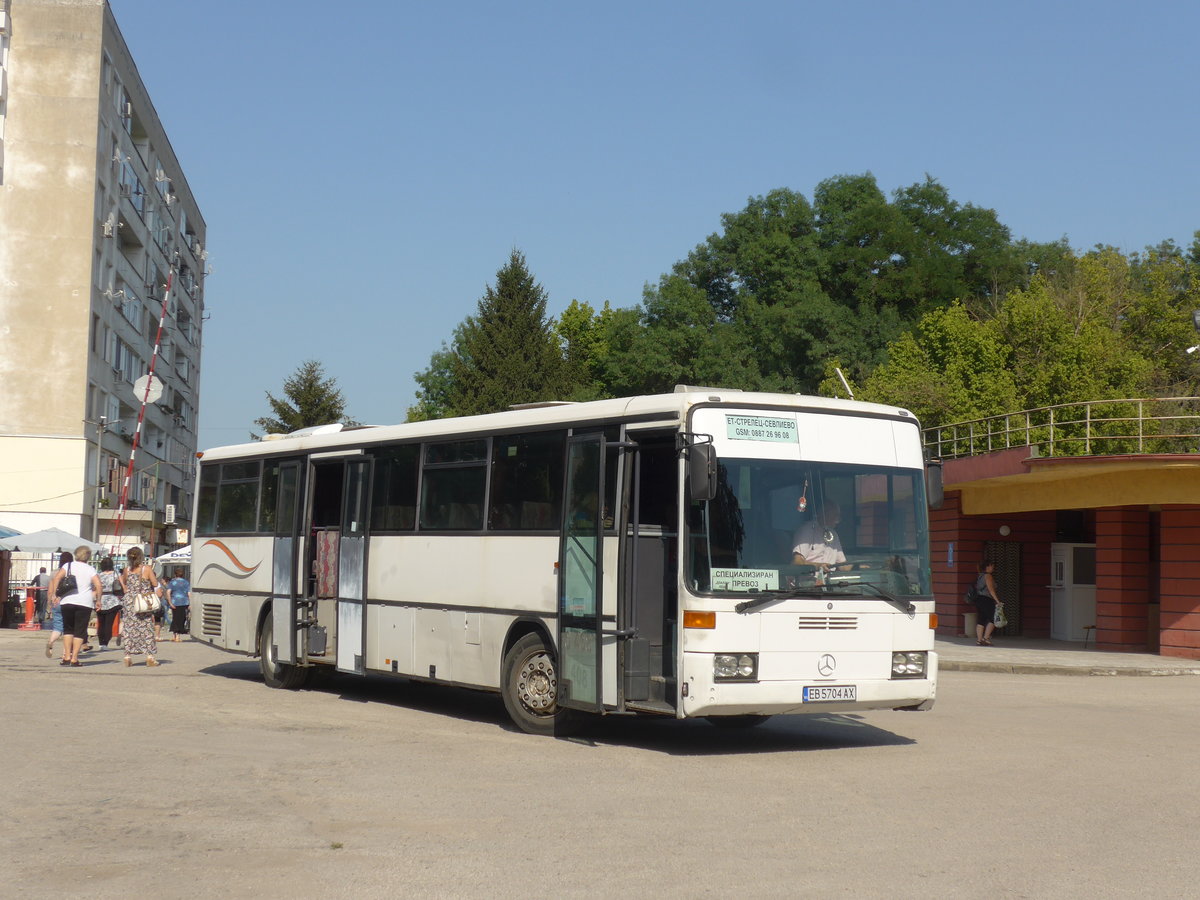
(155, 385)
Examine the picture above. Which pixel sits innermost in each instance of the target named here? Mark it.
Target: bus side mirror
(934, 487)
(702, 472)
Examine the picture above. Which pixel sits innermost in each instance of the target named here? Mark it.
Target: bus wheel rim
(537, 684)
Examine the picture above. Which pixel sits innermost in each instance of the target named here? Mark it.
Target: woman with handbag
(77, 587)
(137, 608)
(987, 599)
(55, 608)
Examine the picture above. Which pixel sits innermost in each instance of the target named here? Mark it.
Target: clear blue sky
(364, 168)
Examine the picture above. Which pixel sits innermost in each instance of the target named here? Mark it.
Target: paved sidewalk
(1034, 656)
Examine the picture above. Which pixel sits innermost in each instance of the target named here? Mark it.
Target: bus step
(650, 706)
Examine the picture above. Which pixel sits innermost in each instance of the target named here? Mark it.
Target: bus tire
(736, 721)
(275, 673)
(530, 688)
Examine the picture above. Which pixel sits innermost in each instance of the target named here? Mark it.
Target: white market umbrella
(182, 555)
(48, 540)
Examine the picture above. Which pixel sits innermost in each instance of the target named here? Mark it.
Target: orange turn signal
(933, 621)
(696, 619)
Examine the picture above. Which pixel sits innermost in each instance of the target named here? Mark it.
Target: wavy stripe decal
(244, 571)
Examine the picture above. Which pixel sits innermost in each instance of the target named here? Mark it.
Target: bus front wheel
(275, 673)
(530, 688)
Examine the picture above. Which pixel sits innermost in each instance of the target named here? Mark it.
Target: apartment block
(96, 219)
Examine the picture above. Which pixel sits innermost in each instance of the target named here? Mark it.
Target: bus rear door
(352, 567)
(286, 608)
(580, 579)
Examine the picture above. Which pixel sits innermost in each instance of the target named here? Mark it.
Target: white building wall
(94, 214)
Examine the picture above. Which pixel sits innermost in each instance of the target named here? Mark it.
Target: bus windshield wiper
(765, 597)
(898, 602)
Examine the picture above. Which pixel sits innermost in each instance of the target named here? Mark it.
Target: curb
(945, 665)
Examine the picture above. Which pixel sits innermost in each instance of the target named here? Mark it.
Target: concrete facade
(95, 218)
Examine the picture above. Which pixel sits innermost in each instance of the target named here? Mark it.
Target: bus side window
(453, 486)
(394, 503)
(527, 475)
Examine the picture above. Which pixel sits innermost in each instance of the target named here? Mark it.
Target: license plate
(830, 693)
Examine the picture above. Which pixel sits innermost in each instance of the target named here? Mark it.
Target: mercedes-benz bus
(648, 555)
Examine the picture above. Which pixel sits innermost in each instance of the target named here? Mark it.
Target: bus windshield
(787, 525)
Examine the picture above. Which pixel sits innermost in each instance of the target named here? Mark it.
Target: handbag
(67, 585)
(1000, 619)
(144, 604)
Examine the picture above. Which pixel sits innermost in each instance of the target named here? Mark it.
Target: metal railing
(1090, 428)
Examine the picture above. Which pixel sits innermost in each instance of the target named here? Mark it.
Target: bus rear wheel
(275, 673)
(530, 688)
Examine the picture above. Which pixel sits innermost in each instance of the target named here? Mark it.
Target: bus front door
(352, 568)
(580, 576)
(286, 630)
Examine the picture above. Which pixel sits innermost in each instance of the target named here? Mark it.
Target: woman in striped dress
(137, 629)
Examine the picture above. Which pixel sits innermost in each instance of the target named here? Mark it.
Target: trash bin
(14, 615)
(970, 620)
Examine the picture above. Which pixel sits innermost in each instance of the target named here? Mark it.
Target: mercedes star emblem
(826, 664)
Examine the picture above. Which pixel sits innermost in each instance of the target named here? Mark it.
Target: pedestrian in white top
(76, 603)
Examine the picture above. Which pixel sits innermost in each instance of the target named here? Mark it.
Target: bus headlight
(735, 667)
(909, 664)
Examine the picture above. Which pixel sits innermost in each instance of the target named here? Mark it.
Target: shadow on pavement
(780, 734)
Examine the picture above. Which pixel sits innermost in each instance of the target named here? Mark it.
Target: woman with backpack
(986, 600)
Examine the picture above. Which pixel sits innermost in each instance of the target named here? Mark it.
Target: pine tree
(315, 400)
(506, 353)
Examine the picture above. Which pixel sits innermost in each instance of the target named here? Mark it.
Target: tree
(790, 285)
(506, 353)
(433, 398)
(315, 400)
(586, 340)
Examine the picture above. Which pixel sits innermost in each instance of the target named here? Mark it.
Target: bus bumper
(705, 696)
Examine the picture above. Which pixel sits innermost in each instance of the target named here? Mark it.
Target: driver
(816, 543)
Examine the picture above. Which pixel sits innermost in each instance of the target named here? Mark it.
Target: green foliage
(922, 301)
(585, 338)
(1102, 326)
(791, 284)
(506, 353)
(949, 369)
(314, 400)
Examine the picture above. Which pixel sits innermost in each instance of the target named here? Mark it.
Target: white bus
(636, 555)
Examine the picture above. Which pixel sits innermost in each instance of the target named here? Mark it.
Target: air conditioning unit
(3, 22)
(109, 228)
